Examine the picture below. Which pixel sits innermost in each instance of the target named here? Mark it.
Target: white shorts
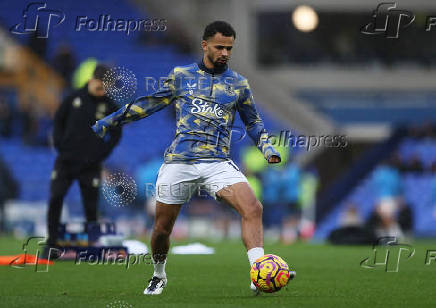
(177, 182)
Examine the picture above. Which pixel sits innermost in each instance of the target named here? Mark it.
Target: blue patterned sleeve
(143, 107)
(253, 123)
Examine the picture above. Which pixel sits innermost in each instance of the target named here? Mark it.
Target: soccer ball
(270, 273)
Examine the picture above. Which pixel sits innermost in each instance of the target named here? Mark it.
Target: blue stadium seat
(417, 192)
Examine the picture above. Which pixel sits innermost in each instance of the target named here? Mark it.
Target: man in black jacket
(8, 190)
(81, 152)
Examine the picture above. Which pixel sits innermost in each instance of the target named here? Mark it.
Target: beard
(216, 64)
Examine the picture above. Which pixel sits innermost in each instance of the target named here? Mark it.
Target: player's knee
(162, 229)
(254, 211)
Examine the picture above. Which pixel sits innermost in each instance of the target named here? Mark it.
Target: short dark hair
(100, 71)
(218, 27)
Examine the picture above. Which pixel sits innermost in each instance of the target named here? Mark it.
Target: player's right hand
(100, 128)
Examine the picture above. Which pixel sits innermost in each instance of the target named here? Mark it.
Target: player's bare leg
(241, 197)
(166, 215)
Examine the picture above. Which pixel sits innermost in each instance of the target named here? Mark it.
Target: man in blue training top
(206, 97)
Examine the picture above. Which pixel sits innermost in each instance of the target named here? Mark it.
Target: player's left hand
(274, 159)
(272, 156)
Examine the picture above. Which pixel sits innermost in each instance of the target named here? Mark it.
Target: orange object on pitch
(23, 259)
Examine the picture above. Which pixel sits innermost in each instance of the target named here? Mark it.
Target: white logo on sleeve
(191, 87)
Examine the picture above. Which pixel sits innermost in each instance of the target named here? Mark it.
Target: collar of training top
(215, 70)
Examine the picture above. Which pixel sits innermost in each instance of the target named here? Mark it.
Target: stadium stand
(417, 190)
(393, 107)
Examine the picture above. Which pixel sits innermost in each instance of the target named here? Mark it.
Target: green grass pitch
(327, 276)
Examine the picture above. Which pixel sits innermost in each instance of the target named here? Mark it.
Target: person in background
(8, 190)
(388, 188)
(5, 118)
(290, 190)
(64, 62)
(309, 184)
(80, 151)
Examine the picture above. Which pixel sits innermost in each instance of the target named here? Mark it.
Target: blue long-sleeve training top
(206, 102)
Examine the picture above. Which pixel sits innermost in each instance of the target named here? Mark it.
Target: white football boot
(254, 288)
(155, 286)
